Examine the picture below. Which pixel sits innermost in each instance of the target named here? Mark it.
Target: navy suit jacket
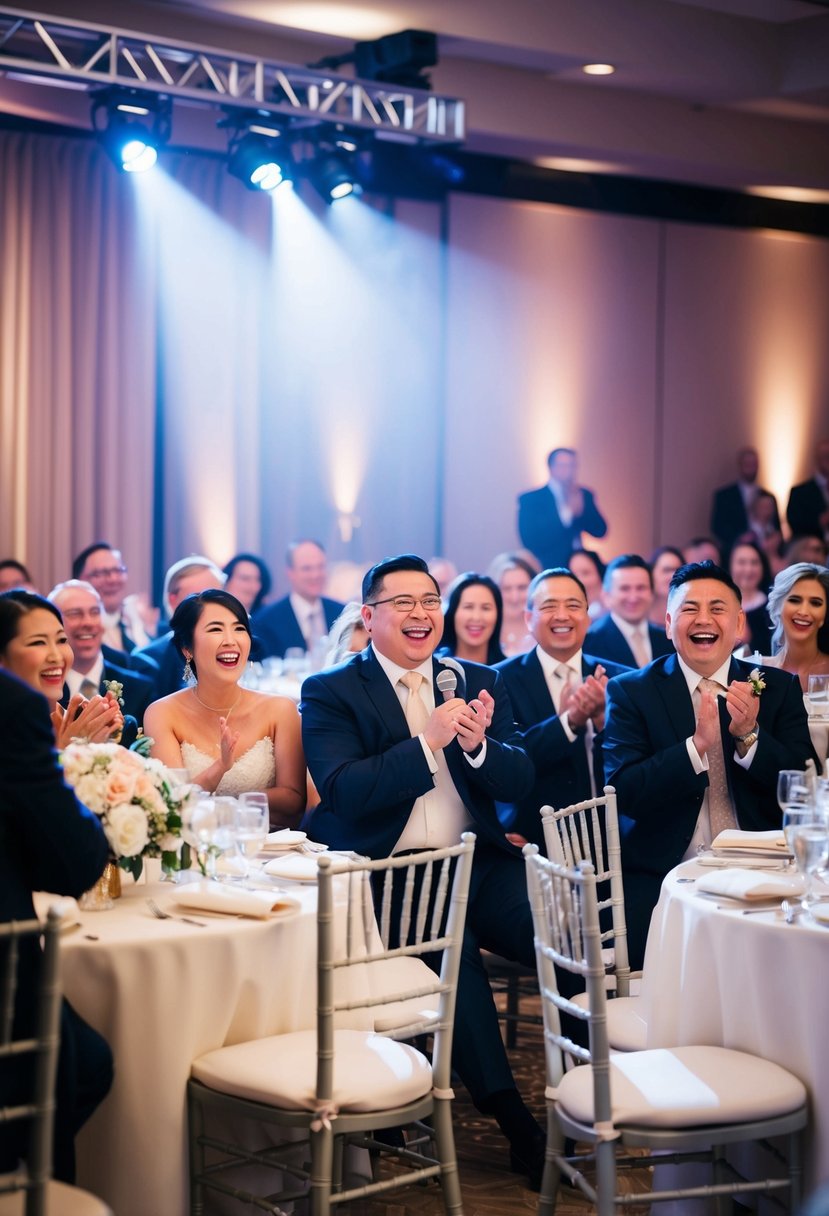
(543, 533)
(606, 640)
(649, 718)
(276, 628)
(562, 776)
(369, 770)
(133, 660)
(806, 503)
(729, 518)
(169, 677)
(137, 695)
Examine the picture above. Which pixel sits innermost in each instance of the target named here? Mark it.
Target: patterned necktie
(720, 811)
(565, 676)
(88, 689)
(637, 645)
(417, 715)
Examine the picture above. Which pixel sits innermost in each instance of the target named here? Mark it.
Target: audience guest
(732, 504)
(301, 619)
(473, 619)
(808, 509)
(625, 635)
(748, 567)
(513, 575)
(348, 635)
(399, 768)
(125, 618)
(14, 574)
(261, 748)
(558, 698)
(249, 579)
(702, 549)
(805, 549)
(552, 518)
(34, 647)
(690, 745)
(589, 569)
(800, 642)
(82, 612)
(185, 577)
(763, 529)
(48, 842)
(444, 571)
(664, 563)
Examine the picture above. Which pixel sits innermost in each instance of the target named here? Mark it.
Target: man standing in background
(552, 518)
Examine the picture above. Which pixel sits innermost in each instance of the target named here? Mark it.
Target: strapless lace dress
(255, 770)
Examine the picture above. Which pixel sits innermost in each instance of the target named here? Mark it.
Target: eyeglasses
(406, 603)
(110, 572)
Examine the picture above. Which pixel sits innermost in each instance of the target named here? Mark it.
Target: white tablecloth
(713, 976)
(163, 993)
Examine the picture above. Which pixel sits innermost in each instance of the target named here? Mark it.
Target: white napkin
(751, 884)
(65, 906)
(283, 840)
(732, 838)
(298, 866)
(210, 896)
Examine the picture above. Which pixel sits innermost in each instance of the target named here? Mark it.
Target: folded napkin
(297, 866)
(210, 896)
(283, 840)
(751, 885)
(65, 906)
(731, 838)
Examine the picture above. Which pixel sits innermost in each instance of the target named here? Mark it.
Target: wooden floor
(489, 1189)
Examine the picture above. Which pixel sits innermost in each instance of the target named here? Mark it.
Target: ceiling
(730, 93)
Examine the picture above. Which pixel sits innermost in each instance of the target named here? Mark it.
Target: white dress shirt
(559, 493)
(74, 679)
(637, 637)
(310, 618)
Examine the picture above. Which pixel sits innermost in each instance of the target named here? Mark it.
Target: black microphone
(447, 683)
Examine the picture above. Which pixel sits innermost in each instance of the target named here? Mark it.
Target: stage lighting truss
(132, 127)
(259, 156)
(62, 50)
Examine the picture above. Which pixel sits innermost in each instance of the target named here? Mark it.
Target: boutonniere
(755, 679)
(117, 690)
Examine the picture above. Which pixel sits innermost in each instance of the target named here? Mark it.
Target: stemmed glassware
(810, 845)
(209, 825)
(795, 800)
(252, 823)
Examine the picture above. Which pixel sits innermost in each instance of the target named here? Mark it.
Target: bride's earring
(187, 674)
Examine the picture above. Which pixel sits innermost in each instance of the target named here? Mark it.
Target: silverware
(160, 914)
(790, 911)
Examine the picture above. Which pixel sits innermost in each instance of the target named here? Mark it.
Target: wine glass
(252, 823)
(795, 800)
(209, 826)
(810, 845)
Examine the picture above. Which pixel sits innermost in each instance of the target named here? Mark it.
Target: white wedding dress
(254, 770)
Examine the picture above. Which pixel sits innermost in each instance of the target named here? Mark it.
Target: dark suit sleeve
(507, 771)
(56, 843)
(591, 519)
(649, 780)
(536, 528)
(805, 505)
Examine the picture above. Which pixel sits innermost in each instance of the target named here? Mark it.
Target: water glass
(810, 845)
(818, 698)
(252, 823)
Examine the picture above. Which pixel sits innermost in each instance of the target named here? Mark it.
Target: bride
(229, 739)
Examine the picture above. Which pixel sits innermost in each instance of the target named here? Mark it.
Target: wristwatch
(745, 742)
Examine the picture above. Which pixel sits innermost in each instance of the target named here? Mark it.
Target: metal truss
(96, 57)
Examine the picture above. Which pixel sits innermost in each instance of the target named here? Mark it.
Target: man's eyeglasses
(110, 572)
(406, 603)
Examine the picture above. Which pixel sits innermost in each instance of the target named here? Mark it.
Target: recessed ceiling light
(598, 69)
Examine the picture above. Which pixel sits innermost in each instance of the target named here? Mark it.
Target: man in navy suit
(82, 612)
(665, 735)
(386, 788)
(552, 518)
(48, 842)
(557, 693)
(303, 617)
(732, 503)
(185, 577)
(626, 635)
(808, 509)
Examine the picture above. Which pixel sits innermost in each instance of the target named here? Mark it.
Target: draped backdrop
(186, 366)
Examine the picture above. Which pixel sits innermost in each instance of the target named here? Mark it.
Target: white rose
(90, 791)
(126, 829)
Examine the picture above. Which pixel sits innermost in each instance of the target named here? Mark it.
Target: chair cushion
(62, 1200)
(407, 974)
(685, 1087)
(370, 1072)
(626, 1028)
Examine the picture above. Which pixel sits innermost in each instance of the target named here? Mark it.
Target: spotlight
(334, 176)
(254, 159)
(132, 127)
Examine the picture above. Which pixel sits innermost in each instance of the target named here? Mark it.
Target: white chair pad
(626, 1028)
(62, 1200)
(685, 1087)
(370, 1072)
(395, 975)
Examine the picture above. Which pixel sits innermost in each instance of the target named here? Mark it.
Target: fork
(160, 914)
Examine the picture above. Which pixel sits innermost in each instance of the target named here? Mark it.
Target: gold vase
(105, 892)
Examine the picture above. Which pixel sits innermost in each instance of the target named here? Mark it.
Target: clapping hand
(743, 705)
(471, 724)
(708, 723)
(587, 700)
(228, 739)
(94, 720)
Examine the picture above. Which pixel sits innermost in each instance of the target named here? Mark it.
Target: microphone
(447, 682)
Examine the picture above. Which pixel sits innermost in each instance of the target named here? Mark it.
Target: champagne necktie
(720, 811)
(417, 715)
(88, 689)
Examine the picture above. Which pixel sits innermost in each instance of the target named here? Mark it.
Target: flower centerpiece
(138, 803)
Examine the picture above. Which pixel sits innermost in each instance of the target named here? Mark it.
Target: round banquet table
(755, 983)
(163, 992)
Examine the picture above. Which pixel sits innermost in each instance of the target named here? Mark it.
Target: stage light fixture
(257, 160)
(132, 127)
(334, 176)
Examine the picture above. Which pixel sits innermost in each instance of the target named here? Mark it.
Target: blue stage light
(255, 160)
(132, 128)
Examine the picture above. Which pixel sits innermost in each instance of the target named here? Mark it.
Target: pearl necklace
(213, 710)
